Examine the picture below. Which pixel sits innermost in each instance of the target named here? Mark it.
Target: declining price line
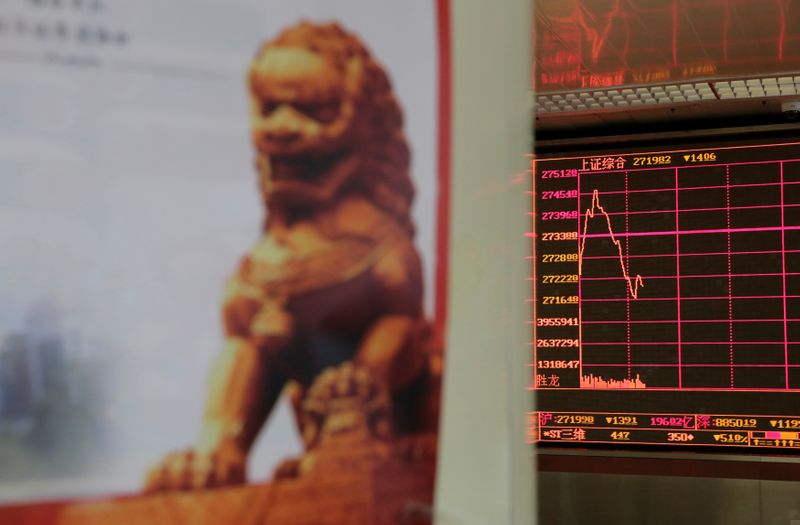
(633, 284)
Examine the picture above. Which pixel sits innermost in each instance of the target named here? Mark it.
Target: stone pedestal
(350, 480)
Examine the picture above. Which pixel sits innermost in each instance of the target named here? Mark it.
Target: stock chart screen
(666, 293)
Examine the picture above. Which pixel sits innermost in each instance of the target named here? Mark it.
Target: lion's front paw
(345, 400)
(287, 469)
(190, 470)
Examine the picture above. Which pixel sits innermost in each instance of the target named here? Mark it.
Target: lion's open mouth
(306, 167)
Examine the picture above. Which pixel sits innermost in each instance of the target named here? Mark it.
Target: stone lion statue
(331, 293)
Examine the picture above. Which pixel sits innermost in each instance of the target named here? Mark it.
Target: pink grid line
(776, 145)
(694, 365)
(689, 343)
(695, 298)
(654, 190)
(674, 321)
(785, 295)
(685, 389)
(662, 168)
(697, 232)
(677, 275)
(700, 276)
(580, 311)
(691, 210)
(710, 254)
(730, 279)
(628, 272)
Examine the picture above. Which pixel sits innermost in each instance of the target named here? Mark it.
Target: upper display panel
(582, 44)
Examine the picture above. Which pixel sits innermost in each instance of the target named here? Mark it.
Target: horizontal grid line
(698, 298)
(776, 207)
(692, 188)
(693, 232)
(777, 145)
(688, 343)
(680, 389)
(671, 167)
(711, 276)
(682, 321)
(672, 255)
(699, 365)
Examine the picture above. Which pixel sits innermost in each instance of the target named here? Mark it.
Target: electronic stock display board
(666, 290)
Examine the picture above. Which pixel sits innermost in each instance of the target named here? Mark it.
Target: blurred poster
(223, 253)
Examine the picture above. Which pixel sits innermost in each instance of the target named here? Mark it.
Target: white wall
(485, 467)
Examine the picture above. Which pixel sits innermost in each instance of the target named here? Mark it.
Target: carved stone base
(353, 480)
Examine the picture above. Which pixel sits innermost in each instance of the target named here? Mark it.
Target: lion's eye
(327, 112)
(321, 112)
(268, 107)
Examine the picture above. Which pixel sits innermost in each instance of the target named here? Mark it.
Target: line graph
(633, 283)
(686, 276)
(667, 283)
(701, 230)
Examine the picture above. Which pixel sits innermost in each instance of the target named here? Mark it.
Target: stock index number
(559, 279)
(559, 174)
(559, 236)
(560, 299)
(559, 257)
(659, 160)
(557, 321)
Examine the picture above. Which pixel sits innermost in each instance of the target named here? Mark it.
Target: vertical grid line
(730, 276)
(783, 270)
(580, 297)
(678, 276)
(628, 271)
(535, 266)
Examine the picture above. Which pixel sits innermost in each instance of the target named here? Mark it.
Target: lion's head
(324, 120)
